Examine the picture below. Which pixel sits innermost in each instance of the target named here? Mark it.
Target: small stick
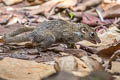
(99, 14)
(88, 49)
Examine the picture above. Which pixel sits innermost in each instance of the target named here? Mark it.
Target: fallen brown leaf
(49, 5)
(90, 19)
(4, 18)
(76, 52)
(112, 12)
(79, 67)
(108, 51)
(83, 6)
(1, 1)
(86, 48)
(67, 63)
(96, 57)
(34, 2)
(107, 4)
(16, 69)
(11, 2)
(115, 68)
(1, 39)
(108, 45)
(92, 63)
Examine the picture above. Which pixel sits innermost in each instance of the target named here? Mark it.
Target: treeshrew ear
(84, 30)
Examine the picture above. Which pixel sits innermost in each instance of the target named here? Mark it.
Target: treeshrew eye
(92, 34)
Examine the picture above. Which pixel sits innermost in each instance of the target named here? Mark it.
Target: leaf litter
(83, 60)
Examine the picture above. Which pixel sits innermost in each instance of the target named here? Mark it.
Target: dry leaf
(49, 5)
(86, 65)
(117, 77)
(107, 4)
(109, 36)
(57, 48)
(86, 4)
(115, 68)
(1, 1)
(15, 69)
(79, 67)
(10, 16)
(108, 50)
(16, 18)
(1, 39)
(11, 2)
(112, 12)
(92, 64)
(76, 52)
(96, 57)
(34, 2)
(90, 19)
(72, 64)
(4, 18)
(67, 3)
(67, 63)
(13, 20)
(80, 45)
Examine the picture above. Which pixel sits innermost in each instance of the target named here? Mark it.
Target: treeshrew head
(89, 34)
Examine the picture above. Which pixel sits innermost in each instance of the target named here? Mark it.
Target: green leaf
(71, 15)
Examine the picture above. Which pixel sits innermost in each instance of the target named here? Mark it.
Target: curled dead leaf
(76, 52)
(50, 5)
(79, 67)
(115, 68)
(92, 63)
(34, 2)
(4, 18)
(1, 39)
(16, 69)
(112, 12)
(83, 6)
(67, 63)
(107, 4)
(11, 2)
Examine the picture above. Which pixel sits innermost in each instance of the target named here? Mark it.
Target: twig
(88, 49)
(99, 14)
